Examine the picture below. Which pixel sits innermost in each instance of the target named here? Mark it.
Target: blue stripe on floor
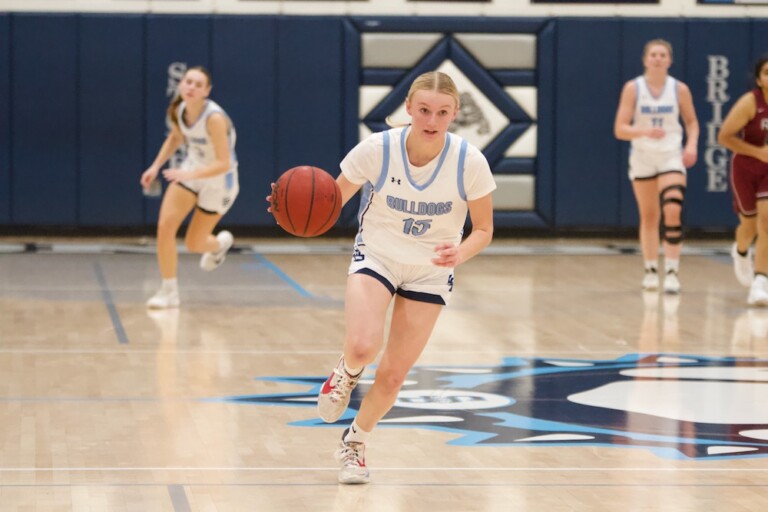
(107, 296)
(179, 498)
(282, 275)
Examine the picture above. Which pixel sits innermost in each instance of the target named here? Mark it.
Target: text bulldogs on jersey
(420, 208)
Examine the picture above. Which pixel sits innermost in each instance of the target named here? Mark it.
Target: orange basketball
(306, 201)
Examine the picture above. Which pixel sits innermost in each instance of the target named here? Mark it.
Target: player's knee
(362, 348)
(672, 199)
(166, 228)
(390, 380)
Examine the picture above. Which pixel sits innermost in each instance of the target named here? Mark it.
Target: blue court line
(179, 498)
(107, 296)
(282, 275)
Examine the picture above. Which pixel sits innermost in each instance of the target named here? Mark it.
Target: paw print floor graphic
(677, 406)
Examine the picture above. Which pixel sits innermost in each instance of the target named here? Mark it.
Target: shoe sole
(170, 306)
(355, 480)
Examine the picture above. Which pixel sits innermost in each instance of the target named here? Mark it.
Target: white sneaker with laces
(334, 396)
(212, 260)
(352, 458)
(671, 282)
(743, 266)
(758, 292)
(651, 279)
(164, 299)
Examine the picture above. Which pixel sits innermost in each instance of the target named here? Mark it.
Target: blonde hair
(653, 42)
(176, 101)
(430, 81)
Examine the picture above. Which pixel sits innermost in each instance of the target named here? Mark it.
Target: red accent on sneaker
(327, 388)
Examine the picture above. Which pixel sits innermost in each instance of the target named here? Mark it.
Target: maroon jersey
(755, 132)
(749, 176)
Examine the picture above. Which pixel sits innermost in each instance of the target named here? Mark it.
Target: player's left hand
(447, 255)
(175, 175)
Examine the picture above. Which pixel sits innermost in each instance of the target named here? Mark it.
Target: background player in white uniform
(207, 180)
(424, 181)
(648, 115)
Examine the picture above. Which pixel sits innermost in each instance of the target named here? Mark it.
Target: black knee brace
(672, 234)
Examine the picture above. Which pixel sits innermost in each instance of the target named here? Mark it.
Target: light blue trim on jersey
(384, 162)
(229, 180)
(434, 173)
(460, 173)
(203, 115)
(674, 84)
(637, 92)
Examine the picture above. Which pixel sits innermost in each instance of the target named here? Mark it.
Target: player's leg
(367, 299)
(741, 250)
(671, 197)
(646, 195)
(176, 205)
(410, 329)
(758, 293)
(214, 201)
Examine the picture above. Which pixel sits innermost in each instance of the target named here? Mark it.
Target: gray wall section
(287, 84)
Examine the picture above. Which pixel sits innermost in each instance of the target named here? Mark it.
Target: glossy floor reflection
(552, 382)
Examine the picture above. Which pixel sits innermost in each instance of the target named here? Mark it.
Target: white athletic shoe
(164, 299)
(743, 266)
(758, 292)
(671, 282)
(212, 260)
(651, 279)
(334, 396)
(352, 459)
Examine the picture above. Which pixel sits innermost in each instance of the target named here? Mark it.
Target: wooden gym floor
(551, 383)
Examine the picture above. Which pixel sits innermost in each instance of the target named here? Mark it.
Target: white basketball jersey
(200, 150)
(658, 112)
(412, 209)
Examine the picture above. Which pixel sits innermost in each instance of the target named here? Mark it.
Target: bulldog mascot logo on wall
(677, 406)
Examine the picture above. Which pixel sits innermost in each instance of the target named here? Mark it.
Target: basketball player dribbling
(206, 181)
(423, 181)
(648, 115)
(745, 132)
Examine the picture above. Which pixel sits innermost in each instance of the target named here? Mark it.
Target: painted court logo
(678, 406)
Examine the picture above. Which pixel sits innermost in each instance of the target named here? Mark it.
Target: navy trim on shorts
(186, 187)
(209, 212)
(378, 277)
(646, 178)
(429, 298)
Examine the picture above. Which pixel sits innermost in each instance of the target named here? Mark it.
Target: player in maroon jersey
(745, 133)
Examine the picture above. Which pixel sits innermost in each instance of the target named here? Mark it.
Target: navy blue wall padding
(635, 34)
(518, 220)
(290, 85)
(381, 76)
(494, 151)
(586, 153)
(244, 68)
(461, 24)
(45, 122)
(705, 39)
(111, 113)
(759, 48)
(545, 106)
(515, 77)
(310, 106)
(5, 119)
(515, 166)
(352, 59)
(169, 39)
